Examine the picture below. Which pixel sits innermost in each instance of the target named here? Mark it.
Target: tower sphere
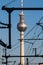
(21, 26)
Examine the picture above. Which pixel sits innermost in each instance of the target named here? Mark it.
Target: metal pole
(10, 30)
(27, 62)
(6, 55)
(35, 51)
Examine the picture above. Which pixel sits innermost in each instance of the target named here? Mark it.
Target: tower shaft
(22, 48)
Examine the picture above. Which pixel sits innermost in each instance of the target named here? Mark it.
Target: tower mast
(22, 5)
(21, 26)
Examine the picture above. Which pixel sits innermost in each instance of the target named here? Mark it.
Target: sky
(31, 18)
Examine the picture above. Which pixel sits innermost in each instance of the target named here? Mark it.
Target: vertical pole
(35, 51)
(27, 62)
(6, 55)
(10, 30)
(5, 51)
(6, 60)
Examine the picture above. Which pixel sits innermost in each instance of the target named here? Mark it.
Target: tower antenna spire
(22, 5)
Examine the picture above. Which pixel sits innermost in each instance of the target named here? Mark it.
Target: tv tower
(21, 26)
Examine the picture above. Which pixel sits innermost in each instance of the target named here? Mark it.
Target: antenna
(21, 3)
(22, 6)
